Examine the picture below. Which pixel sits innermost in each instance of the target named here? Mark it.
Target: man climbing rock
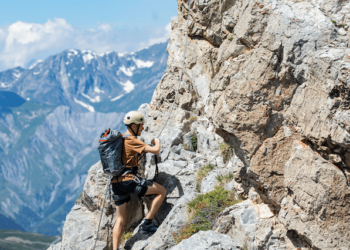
(129, 182)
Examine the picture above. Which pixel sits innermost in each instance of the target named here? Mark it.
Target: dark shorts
(128, 187)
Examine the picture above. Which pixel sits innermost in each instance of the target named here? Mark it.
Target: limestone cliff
(271, 79)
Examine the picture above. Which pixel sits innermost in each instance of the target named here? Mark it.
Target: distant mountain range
(18, 240)
(51, 115)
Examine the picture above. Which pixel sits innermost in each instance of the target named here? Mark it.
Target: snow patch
(143, 64)
(17, 75)
(89, 107)
(95, 99)
(117, 98)
(28, 99)
(128, 86)
(126, 71)
(82, 68)
(88, 57)
(97, 90)
(3, 85)
(88, 51)
(34, 64)
(122, 54)
(36, 73)
(73, 51)
(67, 63)
(9, 209)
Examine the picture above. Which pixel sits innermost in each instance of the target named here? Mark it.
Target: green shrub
(193, 118)
(226, 151)
(204, 211)
(126, 236)
(224, 179)
(245, 246)
(186, 147)
(333, 21)
(230, 38)
(194, 142)
(202, 172)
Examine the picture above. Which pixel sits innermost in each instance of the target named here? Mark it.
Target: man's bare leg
(160, 193)
(119, 224)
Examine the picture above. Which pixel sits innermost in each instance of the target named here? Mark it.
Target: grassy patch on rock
(194, 142)
(201, 174)
(193, 119)
(224, 179)
(126, 236)
(226, 151)
(204, 210)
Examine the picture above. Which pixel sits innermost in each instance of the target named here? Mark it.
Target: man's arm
(155, 149)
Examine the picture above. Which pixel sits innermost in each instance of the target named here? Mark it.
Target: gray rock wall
(270, 78)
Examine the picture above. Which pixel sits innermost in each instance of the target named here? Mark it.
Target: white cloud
(105, 27)
(162, 35)
(22, 42)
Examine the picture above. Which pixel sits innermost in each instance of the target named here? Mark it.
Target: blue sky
(35, 29)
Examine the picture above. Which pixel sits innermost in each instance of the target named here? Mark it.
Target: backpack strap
(133, 169)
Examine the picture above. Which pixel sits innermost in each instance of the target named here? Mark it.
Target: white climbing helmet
(134, 117)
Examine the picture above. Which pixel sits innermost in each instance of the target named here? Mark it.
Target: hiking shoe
(148, 228)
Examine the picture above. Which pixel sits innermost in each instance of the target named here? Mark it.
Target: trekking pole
(98, 229)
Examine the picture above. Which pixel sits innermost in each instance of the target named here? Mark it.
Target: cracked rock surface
(271, 79)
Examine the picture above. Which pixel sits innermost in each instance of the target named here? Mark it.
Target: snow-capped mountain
(85, 80)
(49, 131)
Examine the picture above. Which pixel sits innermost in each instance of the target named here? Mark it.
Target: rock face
(271, 79)
(207, 240)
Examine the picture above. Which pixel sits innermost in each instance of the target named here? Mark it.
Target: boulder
(207, 240)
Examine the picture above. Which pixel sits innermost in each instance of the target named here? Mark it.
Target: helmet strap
(138, 128)
(129, 126)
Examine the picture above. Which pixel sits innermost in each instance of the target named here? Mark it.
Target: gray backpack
(111, 149)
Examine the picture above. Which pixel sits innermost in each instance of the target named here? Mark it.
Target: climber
(129, 182)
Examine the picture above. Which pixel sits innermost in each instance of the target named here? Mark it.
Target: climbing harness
(171, 110)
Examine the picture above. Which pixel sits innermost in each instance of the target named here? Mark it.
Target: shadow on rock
(137, 237)
(174, 191)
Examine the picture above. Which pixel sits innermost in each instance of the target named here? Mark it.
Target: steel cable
(182, 69)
